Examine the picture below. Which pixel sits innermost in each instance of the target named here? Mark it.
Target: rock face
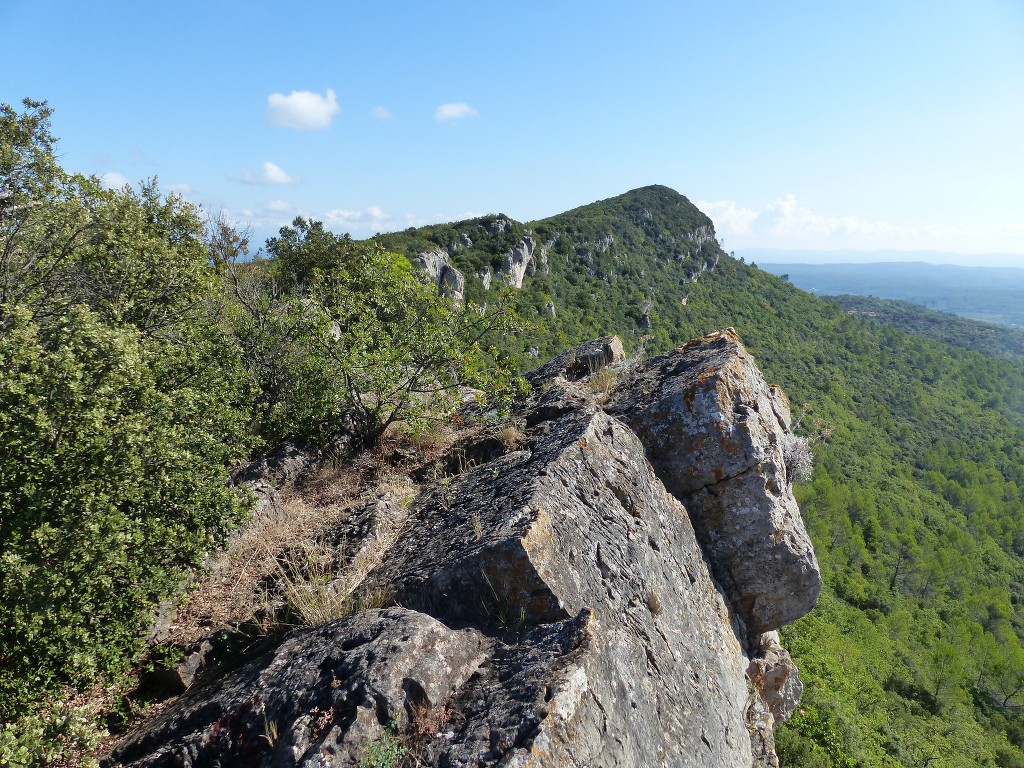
(558, 606)
(450, 282)
(518, 260)
(717, 434)
(580, 362)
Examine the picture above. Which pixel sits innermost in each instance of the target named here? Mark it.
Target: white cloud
(272, 216)
(367, 221)
(790, 219)
(273, 174)
(178, 189)
(787, 223)
(729, 218)
(382, 113)
(459, 110)
(113, 180)
(302, 110)
(280, 206)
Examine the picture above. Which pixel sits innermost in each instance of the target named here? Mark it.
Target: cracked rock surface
(716, 433)
(583, 600)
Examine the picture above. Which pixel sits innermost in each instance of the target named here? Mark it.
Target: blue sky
(796, 125)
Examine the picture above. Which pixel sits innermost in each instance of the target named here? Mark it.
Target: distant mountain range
(993, 294)
(780, 256)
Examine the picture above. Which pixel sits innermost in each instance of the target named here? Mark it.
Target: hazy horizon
(883, 256)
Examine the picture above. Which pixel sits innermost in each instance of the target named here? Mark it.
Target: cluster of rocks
(522, 259)
(603, 592)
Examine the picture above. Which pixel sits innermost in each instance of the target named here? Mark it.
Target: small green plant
(60, 736)
(386, 751)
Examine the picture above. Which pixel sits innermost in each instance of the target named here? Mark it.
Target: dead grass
(512, 435)
(602, 383)
(285, 542)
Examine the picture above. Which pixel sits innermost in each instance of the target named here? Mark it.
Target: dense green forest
(144, 350)
(991, 339)
(913, 656)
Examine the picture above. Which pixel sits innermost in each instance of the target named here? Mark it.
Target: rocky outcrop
(518, 260)
(560, 604)
(499, 225)
(580, 362)
(486, 276)
(450, 282)
(716, 434)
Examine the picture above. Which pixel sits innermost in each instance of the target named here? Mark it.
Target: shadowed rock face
(558, 607)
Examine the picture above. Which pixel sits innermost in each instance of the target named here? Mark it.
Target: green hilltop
(916, 508)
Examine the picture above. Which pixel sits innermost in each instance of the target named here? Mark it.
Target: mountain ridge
(909, 534)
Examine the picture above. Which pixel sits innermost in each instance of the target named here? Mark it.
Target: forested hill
(991, 339)
(913, 655)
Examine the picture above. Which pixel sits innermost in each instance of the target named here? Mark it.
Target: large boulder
(718, 435)
(318, 699)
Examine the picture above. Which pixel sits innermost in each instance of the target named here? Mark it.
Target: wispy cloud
(453, 112)
(729, 216)
(272, 174)
(178, 189)
(789, 223)
(382, 113)
(271, 216)
(366, 221)
(113, 180)
(302, 110)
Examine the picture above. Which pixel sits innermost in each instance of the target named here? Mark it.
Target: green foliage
(119, 411)
(343, 335)
(659, 245)
(990, 339)
(62, 737)
(385, 751)
(110, 488)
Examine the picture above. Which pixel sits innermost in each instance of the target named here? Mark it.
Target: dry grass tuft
(602, 383)
(512, 435)
(284, 546)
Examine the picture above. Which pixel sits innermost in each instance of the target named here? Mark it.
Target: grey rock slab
(580, 522)
(317, 699)
(579, 362)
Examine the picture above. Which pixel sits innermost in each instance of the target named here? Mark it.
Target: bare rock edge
(606, 596)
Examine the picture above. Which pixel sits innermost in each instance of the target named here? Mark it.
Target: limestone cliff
(602, 593)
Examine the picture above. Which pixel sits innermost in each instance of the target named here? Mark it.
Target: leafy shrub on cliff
(337, 334)
(118, 414)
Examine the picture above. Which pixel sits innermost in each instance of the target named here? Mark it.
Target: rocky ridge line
(603, 595)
